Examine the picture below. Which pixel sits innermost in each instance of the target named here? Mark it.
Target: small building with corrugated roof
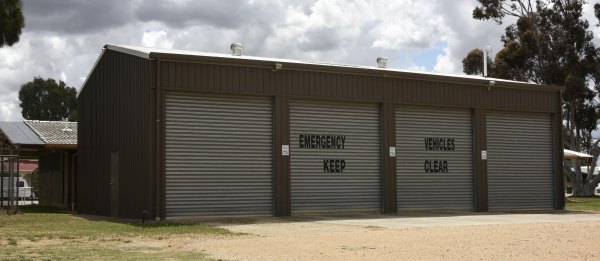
(54, 145)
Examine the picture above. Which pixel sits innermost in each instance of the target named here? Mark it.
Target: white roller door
(219, 155)
(434, 158)
(520, 172)
(335, 157)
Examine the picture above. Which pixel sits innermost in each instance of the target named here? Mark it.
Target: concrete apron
(462, 220)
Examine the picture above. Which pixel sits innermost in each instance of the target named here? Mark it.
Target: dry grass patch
(589, 204)
(49, 234)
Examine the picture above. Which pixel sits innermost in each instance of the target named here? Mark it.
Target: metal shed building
(179, 134)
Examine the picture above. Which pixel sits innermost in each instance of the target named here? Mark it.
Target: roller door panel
(419, 186)
(520, 172)
(219, 155)
(357, 187)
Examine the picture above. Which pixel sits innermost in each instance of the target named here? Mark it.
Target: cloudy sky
(62, 38)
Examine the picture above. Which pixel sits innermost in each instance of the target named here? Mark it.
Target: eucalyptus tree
(550, 43)
(45, 99)
(11, 21)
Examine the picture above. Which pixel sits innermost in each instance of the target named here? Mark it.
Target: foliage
(473, 63)
(11, 21)
(43, 233)
(47, 100)
(550, 43)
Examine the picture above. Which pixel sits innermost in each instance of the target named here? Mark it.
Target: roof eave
(129, 51)
(90, 73)
(114, 48)
(61, 146)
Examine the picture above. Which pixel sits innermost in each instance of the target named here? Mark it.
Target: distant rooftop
(20, 133)
(41, 133)
(55, 132)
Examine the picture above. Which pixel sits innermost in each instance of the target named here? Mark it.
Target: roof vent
(236, 49)
(381, 62)
(486, 50)
(66, 128)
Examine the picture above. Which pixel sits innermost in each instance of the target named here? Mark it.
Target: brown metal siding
(263, 81)
(282, 163)
(51, 169)
(388, 139)
(559, 196)
(480, 165)
(114, 109)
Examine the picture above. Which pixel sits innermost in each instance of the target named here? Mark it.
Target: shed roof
(151, 53)
(20, 133)
(570, 155)
(55, 132)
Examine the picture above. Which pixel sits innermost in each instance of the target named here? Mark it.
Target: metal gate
(519, 151)
(219, 155)
(335, 157)
(434, 158)
(10, 193)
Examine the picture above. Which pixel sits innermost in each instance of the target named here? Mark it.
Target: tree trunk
(593, 180)
(588, 191)
(578, 184)
(587, 188)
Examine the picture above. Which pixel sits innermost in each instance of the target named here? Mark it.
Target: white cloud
(588, 13)
(402, 27)
(416, 68)
(62, 40)
(63, 77)
(446, 63)
(9, 108)
(157, 39)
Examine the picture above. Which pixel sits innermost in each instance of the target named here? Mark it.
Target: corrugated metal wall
(519, 151)
(343, 173)
(226, 78)
(115, 114)
(434, 158)
(219, 155)
(51, 180)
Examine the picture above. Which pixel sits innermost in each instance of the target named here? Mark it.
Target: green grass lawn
(49, 234)
(591, 204)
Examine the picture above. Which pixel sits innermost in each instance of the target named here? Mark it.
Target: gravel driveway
(556, 236)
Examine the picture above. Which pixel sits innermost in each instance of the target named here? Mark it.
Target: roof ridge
(35, 131)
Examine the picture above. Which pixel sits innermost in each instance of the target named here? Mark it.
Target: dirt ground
(341, 240)
(514, 236)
